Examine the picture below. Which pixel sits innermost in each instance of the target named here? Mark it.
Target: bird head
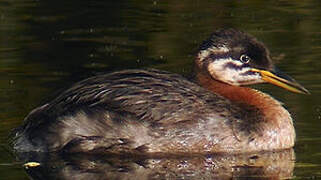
(238, 59)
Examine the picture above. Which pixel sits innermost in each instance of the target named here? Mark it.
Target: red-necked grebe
(152, 111)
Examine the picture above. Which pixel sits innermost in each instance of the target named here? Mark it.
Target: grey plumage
(88, 115)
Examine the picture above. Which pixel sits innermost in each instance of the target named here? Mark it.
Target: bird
(150, 111)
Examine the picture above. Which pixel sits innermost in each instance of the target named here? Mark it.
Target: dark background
(47, 45)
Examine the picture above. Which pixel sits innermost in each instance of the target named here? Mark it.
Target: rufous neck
(238, 94)
(277, 126)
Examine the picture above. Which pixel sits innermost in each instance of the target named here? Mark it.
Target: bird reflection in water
(265, 165)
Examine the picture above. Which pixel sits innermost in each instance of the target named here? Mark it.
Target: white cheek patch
(234, 76)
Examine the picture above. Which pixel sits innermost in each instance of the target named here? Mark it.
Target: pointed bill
(282, 80)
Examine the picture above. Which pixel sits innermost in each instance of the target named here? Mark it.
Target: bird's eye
(245, 59)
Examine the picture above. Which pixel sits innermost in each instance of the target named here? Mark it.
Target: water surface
(46, 46)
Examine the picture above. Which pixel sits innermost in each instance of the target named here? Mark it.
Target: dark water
(47, 45)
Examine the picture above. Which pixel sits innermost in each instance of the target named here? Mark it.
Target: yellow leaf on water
(31, 164)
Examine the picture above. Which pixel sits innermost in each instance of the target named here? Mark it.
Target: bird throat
(267, 105)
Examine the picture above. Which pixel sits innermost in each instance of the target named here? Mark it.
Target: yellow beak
(281, 80)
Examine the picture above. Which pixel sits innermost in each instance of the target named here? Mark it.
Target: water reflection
(269, 165)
